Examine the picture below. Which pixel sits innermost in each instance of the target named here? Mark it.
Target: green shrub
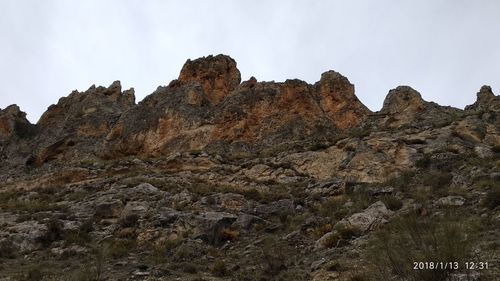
(392, 203)
(492, 199)
(195, 152)
(53, 233)
(185, 252)
(252, 194)
(424, 162)
(34, 274)
(189, 267)
(129, 220)
(331, 206)
(437, 179)
(496, 149)
(274, 258)
(7, 249)
(119, 248)
(81, 235)
(401, 181)
(317, 146)
(75, 236)
(359, 277)
(219, 268)
(409, 239)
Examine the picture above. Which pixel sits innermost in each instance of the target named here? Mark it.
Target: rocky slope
(211, 178)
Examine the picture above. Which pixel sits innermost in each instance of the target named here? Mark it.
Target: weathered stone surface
(405, 106)
(211, 224)
(280, 207)
(218, 76)
(371, 218)
(338, 100)
(78, 124)
(13, 124)
(486, 100)
(451, 201)
(16, 134)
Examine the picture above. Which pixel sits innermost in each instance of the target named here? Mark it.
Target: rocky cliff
(212, 178)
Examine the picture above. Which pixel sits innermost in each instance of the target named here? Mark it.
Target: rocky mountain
(212, 178)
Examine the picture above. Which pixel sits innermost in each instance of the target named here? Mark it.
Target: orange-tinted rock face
(207, 108)
(207, 105)
(253, 114)
(338, 100)
(217, 75)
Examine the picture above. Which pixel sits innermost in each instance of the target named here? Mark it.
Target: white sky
(446, 49)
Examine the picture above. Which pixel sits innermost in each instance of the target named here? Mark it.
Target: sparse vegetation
(228, 234)
(129, 220)
(53, 233)
(424, 162)
(496, 149)
(219, 268)
(118, 248)
(7, 249)
(392, 202)
(412, 238)
(437, 179)
(492, 200)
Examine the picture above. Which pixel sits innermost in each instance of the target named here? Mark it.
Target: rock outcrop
(218, 76)
(405, 106)
(16, 132)
(338, 101)
(14, 125)
(208, 109)
(78, 124)
(486, 101)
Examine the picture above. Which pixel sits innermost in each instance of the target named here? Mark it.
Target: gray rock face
(372, 217)
(405, 106)
(211, 225)
(403, 99)
(451, 201)
(16, 134)
(77, 125)
(486, 100)
(281, 207)
(14, 125)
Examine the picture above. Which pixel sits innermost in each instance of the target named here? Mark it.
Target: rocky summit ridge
(209, 108)
(214, 178)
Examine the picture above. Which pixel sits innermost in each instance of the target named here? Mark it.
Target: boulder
(210, 226)
(369, 219)
(451, 201)
(108, 209)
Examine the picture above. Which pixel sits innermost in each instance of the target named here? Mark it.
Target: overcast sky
(445, 49)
